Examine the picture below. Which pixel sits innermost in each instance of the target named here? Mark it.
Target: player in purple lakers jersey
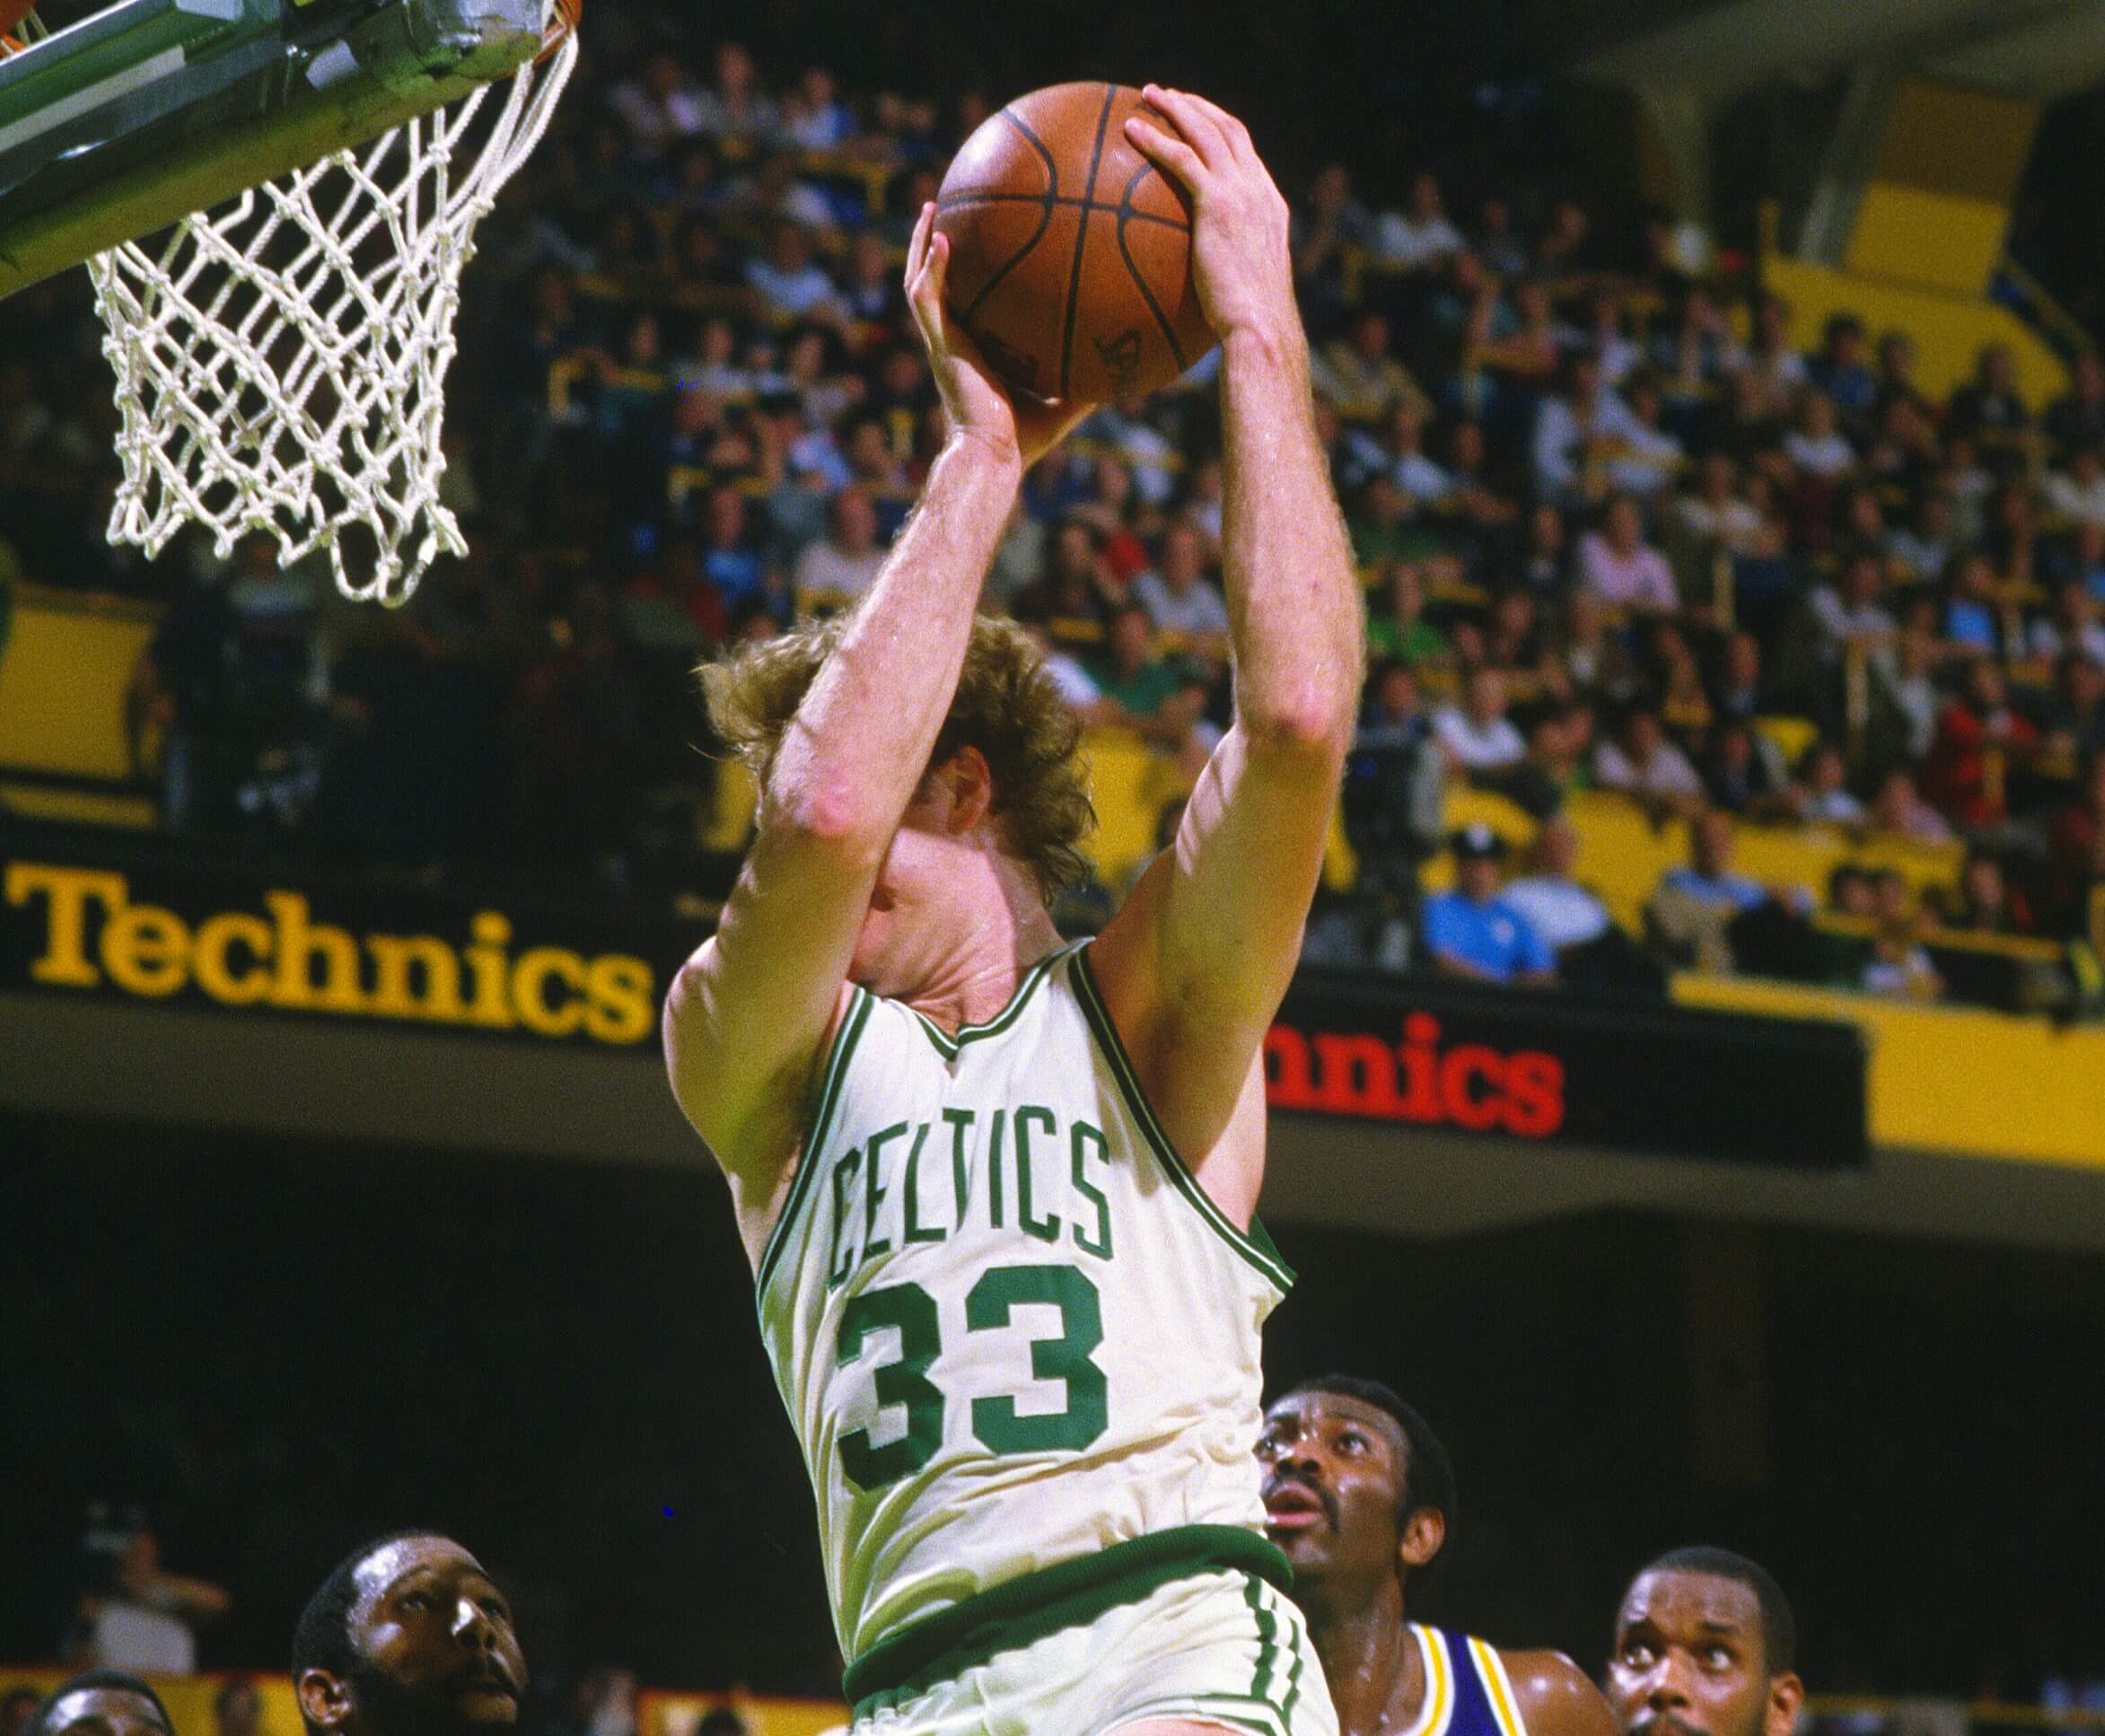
(1360, 1495)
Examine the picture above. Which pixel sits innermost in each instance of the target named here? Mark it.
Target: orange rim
(562, 22)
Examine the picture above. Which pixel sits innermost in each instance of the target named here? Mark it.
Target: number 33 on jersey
(991, 1264)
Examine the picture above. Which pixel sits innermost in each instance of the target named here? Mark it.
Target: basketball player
(1704, 1645)
(102, 1702)
(1000, 1193)
(1360, 1494)
(408, 1636)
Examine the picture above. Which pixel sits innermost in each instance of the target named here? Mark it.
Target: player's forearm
(1294, 611)
(861, 741)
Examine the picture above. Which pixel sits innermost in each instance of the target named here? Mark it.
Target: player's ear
(971, 781)
(1424, 1530)
(1786, 1694)
(325, 1699)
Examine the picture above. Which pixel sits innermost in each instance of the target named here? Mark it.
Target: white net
(281, 360)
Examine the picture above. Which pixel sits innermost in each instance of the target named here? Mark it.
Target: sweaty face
(437, 1653)
(104, 1712)
(1333, 1469)
(1687, 1659)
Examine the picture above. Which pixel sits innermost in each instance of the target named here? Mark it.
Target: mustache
(1664, 1723)
(490, 1673)
(1329, 1503)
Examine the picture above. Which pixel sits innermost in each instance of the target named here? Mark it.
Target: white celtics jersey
(1010, 1328)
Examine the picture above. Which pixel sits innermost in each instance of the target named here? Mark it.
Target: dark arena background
(1713, 395)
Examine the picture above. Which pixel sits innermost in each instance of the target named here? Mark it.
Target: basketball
(1070, 252)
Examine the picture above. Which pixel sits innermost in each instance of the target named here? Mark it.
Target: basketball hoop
(281, 359)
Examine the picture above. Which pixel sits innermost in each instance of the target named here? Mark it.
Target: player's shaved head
(1704, 1645)
(407, 1636)
(102, 1702)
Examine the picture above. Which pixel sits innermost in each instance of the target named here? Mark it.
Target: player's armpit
(1194, 966)
(748, 1014)
(1554, 1697)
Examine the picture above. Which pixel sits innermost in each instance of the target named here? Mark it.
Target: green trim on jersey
(947, 1045)
(1069, 1594)
(1256, 1246)
(808, 1165)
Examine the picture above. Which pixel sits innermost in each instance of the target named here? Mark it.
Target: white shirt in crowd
(1200, 611)
(1413, 241)
(823, 570)
(1075, 686)
(1478, 747)
(143, 1640)
(1829, 455)
(1667, 773)
(1564, 913)
(2070, 499)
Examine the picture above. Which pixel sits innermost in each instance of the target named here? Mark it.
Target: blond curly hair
(1007, 705)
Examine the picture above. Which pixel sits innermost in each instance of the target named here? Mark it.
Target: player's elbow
(829, 816)
(1313, 722)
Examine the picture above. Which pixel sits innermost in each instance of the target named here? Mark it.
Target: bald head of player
(1704, 1645)
(102, 1702)
(408, 1636)
(1360, 1495)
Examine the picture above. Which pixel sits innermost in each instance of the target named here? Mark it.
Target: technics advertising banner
(161, 927)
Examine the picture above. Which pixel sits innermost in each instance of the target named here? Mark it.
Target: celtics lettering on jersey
(1009, 1326)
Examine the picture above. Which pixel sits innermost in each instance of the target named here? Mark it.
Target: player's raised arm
(1195, 966)
(747, 1016)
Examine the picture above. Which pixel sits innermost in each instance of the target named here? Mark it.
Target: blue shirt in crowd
(1492, 936)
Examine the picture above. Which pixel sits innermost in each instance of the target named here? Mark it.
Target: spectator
(1699, 906)
(729, 561)
(1840, 371)
(2073, 716)
(790, 284)
(2072, 628)
(144, 1622)
(1471, 931)
(1848, 615)
(735, 107)
(1396, 626)
(1990, 404)
(1564, 913)
(659, 105)
(1710, 520)
(1177, 595)
(2078, 418)
(1976, 620)
(1477, 736)
(1817, 446)
(237, 1709)
(1328, 224)
(814, 118)
(1822, 795)
(1900, 966)
(1074, 595)
(1771, 360)
(2075, 861)
(2078, 493)
(1586, 659)
(18, 1705)
(1646, 458)
(1361, 376)
(1578, 427)
(1545, 564)
(832, 573)
(1978, 734)
(1740, 774)
(1419, 236)
(1899, 809)
(1924, 547)
(1737, 695)
(1400, 455)
(1620, 567)
(1143, 692)
(1592, 951)
(1981, 903)
(1646, 765)
(1391, 797)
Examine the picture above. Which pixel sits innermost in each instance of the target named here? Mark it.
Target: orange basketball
(1070, 252)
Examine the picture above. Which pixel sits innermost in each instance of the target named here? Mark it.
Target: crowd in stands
(1619, 533)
